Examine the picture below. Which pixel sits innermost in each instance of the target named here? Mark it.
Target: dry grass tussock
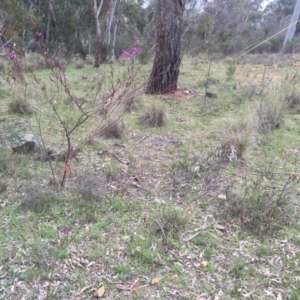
(154, 115)
(112, 129)
(257, 206)
(233, 138)
(290, 92)
(269, 114)
(18, 106)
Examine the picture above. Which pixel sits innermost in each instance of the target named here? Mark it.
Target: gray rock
(28, 143)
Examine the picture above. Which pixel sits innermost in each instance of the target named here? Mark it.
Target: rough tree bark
(165, 71)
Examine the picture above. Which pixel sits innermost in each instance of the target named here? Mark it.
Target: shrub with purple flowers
(134, 51)
(73, 123)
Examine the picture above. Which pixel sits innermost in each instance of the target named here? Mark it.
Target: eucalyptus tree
(165, 70)
(104, 9)
(14, 22)
(292, 27)
(232, 24)
(277, 14)
(58, 21)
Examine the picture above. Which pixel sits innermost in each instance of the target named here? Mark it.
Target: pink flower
(40, 35)
(66, 77)
(136, 38)
(60, 66)
(13, 56)
(31, 21)
(136, 51)
(126, 54)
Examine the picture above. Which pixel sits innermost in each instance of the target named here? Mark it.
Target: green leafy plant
(231, 69)
(295, 295)
(123, 270)
(263, 250)
(238, 270)
(140, 249)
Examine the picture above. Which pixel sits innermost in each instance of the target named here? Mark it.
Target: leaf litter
(209, 260)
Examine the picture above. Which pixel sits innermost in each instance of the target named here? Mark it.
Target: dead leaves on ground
(100, 292)
(155, 281)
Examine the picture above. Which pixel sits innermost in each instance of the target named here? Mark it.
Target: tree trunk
(165, 71)
(98, 53)
(50, 10)
(109, 19)
(98, 50)
(291, 30)
(113, 56)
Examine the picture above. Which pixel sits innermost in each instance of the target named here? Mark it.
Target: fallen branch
(3, 173)
(143, 138)
(199, 231)
(119, 160)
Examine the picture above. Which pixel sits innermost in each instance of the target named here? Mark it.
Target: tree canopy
(211, 26)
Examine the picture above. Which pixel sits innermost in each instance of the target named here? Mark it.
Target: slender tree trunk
(50, 9)
(96, 10)
(109, 19)
(113, 56)
(165, 71)
(291, 30)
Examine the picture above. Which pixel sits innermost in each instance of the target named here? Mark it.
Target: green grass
(123, 270)
(148, 206)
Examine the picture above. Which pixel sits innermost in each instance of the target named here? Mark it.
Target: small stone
(155, 281)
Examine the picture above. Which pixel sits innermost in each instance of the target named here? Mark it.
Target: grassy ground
(201, 205)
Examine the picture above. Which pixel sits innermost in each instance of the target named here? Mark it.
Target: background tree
(14, 22)
(167, 60)
(232, 25)
(292, 27)
(207, 26)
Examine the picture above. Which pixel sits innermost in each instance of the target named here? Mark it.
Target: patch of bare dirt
(184, 94)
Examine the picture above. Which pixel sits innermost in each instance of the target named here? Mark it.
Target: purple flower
(13, 56)
(126, 54)
(136, 38)
(133, 51)
(40, 35)
(136, 51)
(9, 47)
(31, 21)
(60, 66)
